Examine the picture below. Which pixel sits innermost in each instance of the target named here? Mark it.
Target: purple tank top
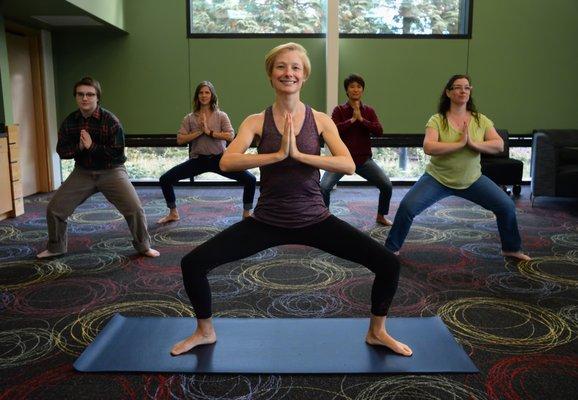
(290, 195)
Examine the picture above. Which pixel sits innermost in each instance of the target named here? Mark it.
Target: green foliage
(308, 16)
(389, 160)
(149, 163)
(257, 16)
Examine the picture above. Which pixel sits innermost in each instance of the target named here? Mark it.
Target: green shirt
(457, 170)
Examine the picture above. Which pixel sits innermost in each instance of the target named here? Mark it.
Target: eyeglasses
(465, 88)
(81, 95)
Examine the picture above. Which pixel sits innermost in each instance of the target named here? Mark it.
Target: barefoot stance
(196, 339)
(380, 219)
(47, 254)
(383, 339)
(516, 254)
(173, 215)
(151, 253)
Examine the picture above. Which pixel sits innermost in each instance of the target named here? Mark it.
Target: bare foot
(196, 339)
(151, 253)
(380, 219)
(516, 254)
(396, 253)
(383, 339)
(246, 213)
(173, 215)
(46, 254)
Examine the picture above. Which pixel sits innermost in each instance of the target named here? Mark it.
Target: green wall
(144, 75)
(403, 77)
(149, 76)
(237, 69)
(522, 58)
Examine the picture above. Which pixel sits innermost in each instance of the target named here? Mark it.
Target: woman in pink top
(290, 209)
(207, 129)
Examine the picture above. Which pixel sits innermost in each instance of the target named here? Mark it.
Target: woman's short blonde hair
(272, 55)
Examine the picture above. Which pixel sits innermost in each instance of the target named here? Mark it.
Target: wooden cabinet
(14, 156)
(5, 179)
(11, 199)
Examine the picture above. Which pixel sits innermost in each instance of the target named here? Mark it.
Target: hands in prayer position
(203, 122)
(85, 140)
(465, 140)
(288, 146)
(356, 112)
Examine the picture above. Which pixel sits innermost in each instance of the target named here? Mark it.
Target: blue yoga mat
(273, 346)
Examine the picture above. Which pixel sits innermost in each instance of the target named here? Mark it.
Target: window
(147, 164)
(357, 18)
(404, 17)
(248, 18)
(143, 163)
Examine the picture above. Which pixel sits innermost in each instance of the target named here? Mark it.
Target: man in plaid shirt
(94, 137)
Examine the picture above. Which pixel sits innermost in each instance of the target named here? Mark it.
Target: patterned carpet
(517, 321)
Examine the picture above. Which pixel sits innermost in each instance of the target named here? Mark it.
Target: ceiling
(51, 15)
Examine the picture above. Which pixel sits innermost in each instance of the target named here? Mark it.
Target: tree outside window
(307, 17)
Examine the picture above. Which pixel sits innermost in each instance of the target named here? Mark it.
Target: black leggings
(250, 236)
(199, 165)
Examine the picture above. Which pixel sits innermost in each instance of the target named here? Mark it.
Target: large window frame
(520, 148)
(465, 22)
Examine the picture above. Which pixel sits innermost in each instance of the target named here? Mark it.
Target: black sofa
(554, 163)
(502, 169)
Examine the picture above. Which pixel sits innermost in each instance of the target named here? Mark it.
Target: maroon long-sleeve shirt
(356, 135)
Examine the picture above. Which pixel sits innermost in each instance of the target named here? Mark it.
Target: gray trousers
(372, 173)
(82, 183)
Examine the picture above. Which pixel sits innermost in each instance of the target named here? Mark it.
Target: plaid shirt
(107, 150)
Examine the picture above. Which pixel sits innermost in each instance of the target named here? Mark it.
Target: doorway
(28, 108)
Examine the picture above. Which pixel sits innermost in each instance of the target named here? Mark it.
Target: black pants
(199, 165)
(250, 236)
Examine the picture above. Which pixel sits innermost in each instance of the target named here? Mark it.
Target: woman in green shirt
(454, 139)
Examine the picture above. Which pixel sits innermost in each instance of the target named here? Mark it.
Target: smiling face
(288, 73)
(205, 96)
(86, 99)
(354, 91)
(459, 92)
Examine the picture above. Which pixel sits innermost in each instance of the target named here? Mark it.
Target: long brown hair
(445, 102)
(214, 104)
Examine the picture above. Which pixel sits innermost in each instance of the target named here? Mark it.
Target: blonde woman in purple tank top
(290, 209)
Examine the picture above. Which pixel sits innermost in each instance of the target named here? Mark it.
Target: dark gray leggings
(250, 236)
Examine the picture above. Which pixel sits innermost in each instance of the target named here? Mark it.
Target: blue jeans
(196, 166)
(368, 170)
(483, 192)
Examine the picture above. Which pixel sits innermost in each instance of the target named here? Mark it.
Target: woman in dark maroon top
(290, 209)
